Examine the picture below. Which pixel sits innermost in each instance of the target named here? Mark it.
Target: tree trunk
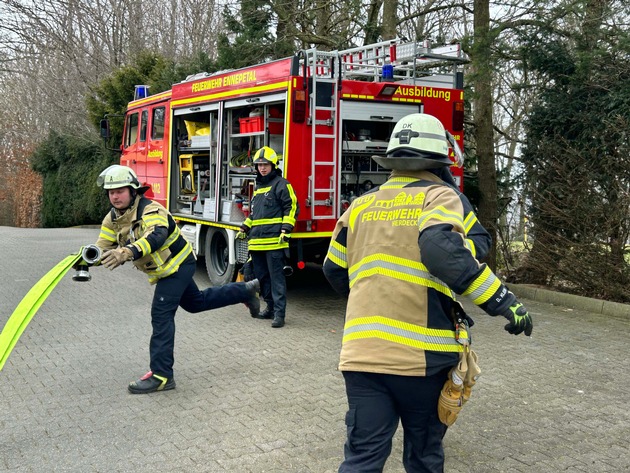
(390, 8)
(484, 137)
(372, 30)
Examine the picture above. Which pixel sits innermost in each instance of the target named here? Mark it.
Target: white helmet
(117, 176)
(418, 141)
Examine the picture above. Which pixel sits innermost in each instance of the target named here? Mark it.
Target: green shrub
(69, 166)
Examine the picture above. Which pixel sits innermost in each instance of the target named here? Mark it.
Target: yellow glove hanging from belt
(457, 389)
(471, 375)
(284, 238)
(114, 258)
(242, 233)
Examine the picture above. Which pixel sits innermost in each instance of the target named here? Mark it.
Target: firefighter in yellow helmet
(271, 220)
(140, 230)
(400, 256)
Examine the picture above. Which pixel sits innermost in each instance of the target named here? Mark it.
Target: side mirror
(105, 128)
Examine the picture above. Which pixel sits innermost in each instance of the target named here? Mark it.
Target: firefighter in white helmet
(141, 230)
(400, 256)
(273, 212)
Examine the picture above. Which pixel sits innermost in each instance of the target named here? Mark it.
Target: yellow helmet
(117, 176)
(418, 141)
(266, 155)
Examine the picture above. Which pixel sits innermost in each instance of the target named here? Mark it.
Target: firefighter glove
(242, 233)
(451, 399)
(284, 238)
(519, 319)
(114, 258)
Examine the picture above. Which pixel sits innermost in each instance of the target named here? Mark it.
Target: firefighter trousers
(376, 403)
(180, 290)
(273, 284)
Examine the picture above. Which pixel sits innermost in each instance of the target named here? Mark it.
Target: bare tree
(390, 19)
(484, 132)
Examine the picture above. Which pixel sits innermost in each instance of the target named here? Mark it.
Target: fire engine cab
(324, 113)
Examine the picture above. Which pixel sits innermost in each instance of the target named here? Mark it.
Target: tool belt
(462, 377)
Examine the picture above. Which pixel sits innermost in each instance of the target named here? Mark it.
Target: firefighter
(140, 230)
(400, 255)
(272, 217)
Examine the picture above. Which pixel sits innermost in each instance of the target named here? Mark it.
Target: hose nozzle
(82, 274)
(91, 254)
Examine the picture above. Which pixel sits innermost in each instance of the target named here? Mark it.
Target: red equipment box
(276, 126)
(250, 124)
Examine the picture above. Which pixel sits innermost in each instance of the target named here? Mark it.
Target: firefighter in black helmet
(274, 209)
(400, 255)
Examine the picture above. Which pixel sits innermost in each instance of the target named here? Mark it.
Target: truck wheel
(220, 271)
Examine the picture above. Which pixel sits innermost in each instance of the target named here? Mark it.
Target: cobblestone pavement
(254, 399)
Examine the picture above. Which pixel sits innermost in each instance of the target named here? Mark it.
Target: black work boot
(278, 322)
(266, 314)
(253, 303)
(151, 383)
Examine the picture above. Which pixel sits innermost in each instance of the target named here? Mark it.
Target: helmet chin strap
(134, 194)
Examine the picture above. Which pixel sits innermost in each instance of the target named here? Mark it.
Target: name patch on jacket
(402, 211)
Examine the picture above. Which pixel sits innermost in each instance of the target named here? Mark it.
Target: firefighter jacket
(152, 235)
(478, 240)
(274, 209)
(400, 256)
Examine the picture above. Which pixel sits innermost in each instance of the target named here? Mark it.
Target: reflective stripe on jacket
(398, 313)
(157, 244)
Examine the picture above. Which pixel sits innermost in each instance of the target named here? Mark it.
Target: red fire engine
(324, 113)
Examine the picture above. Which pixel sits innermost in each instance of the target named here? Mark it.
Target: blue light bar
(142, 91)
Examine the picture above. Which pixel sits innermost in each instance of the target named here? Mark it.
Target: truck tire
(220, 271)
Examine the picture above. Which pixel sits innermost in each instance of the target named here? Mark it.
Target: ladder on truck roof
(410, 62)
(406, 62)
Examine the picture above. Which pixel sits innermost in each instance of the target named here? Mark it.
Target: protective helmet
(117, 176)
(418, 142)
(266, 155)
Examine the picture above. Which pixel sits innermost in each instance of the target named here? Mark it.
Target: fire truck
(324, 113)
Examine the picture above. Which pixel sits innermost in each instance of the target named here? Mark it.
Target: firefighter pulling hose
(141, 231)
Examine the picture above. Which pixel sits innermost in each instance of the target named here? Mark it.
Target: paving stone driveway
(254, 399)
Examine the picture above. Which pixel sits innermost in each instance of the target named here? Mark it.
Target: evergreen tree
(70, 166)
(577, 160)
(250, 39)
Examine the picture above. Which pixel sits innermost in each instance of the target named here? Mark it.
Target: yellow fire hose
(29, 305)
